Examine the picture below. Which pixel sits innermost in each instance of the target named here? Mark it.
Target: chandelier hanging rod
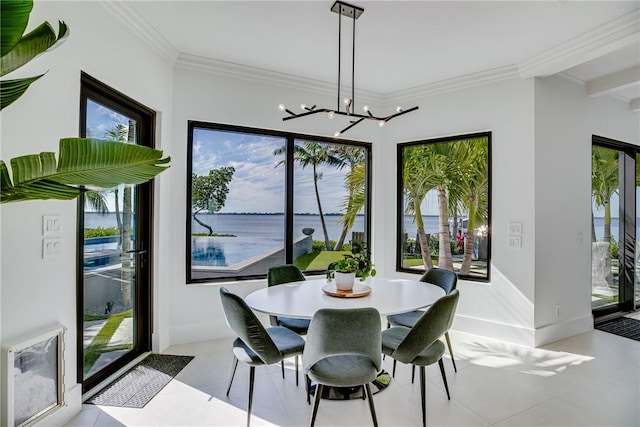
(353, 12)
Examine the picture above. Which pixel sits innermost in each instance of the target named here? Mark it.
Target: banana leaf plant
(18, 48)
(84, 164)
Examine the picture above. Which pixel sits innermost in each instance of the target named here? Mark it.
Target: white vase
(344, 281)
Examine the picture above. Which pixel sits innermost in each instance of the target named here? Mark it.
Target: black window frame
(290, 139)
(400, 201)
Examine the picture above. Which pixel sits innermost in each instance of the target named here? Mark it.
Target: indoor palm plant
(83, 163)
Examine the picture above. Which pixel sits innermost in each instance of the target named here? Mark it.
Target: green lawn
(318, 260)
(101, 340)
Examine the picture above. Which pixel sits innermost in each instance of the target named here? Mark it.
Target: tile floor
(592, 379)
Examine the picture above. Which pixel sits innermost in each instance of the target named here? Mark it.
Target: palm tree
(444, 171)
(604, 184)
(124, 134)
(354, 180)
(313, 154)
(474, 189)
(117, 133)
(354, 202)
(417, 183)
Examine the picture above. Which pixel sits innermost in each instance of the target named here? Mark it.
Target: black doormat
(623, 326)
(136, 387)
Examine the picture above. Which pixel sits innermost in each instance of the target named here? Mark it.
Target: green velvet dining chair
(421, 345)
(286, 274)
(447, 280)
(343, 350)
(256, 345)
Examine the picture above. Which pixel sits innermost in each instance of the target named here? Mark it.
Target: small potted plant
(356, 264)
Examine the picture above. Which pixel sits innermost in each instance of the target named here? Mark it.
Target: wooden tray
(356, 292)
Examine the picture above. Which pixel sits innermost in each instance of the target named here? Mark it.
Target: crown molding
(455, 83)
(608, 37)
(260, 75)
(141, 28)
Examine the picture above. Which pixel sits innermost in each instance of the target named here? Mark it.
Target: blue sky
(258, 183)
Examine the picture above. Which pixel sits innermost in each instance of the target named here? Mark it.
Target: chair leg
(252, 376)
(423, 395)
(446, 335)
(413, 373)
(444, 377)
(282, 367)
(393, 372)
(307, 381)
(297, 371)
(316, 403)
(234, 365)
(371, 407)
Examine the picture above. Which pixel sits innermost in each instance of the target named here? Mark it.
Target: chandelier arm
(352, 104)
(308, 113)
(352, 125)
(386, 119)
(339, 55)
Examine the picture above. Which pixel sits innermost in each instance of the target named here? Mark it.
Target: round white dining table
(302, 299)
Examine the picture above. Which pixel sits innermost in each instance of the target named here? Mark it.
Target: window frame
(290, 139)
(400, 200)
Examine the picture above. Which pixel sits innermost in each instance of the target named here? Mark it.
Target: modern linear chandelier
(353, 12)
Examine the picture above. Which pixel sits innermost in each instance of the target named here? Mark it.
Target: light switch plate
(515, 241)
(515, 228)
(51, 225)
(51, 247)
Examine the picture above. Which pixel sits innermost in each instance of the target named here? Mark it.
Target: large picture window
(444, 205)
(260, 198)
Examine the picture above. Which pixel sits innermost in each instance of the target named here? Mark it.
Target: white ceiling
(402, 45)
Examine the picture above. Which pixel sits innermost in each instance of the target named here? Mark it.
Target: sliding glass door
(614, 238)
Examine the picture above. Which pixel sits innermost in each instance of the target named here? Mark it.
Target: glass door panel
(109, 259)
(605, 236)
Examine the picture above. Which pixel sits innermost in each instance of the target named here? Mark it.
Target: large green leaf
(83, 162)
(11, 90)
(31, 45)
(14, 16)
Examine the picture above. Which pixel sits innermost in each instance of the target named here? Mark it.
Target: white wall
(36, 292)
(565, 121)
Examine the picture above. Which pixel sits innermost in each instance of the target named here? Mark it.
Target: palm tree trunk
(607, 222)
(469, 240)
(327, 244)
(444, 256)
(469, 237)
(422, 236)
(128, 267)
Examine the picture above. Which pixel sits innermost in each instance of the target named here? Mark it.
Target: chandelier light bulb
(347, 101)
(336, 134)
(382, 123)
(303, 107)
(282, 107)
(365, 108)
(398, 109)
(330, 115)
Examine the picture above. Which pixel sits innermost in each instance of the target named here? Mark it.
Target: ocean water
(270, 226)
